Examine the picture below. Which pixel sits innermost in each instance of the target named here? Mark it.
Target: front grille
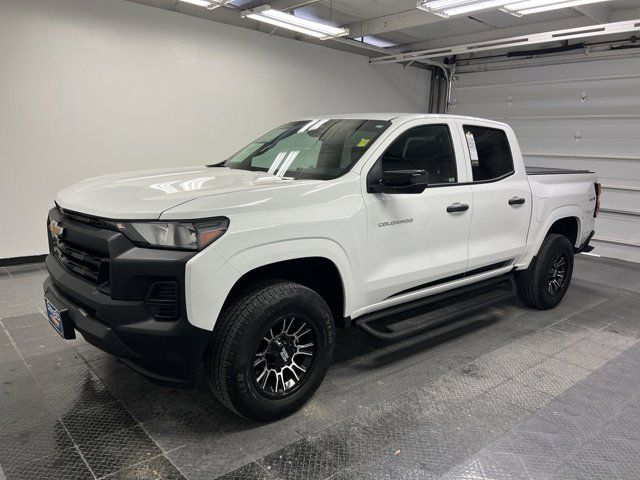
(162, 300)
(71, 250)
(88, 219)
(91, 266)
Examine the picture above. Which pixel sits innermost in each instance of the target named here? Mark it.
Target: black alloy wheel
(557, 274)
(284, 356)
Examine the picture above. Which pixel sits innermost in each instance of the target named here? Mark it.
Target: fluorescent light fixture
(537, 6)
(448, 8)
(208, 4)
(277, 18)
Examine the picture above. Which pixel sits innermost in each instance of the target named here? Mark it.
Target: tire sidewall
(559, 244)
(247, 400)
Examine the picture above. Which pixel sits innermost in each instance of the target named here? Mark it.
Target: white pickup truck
(391, 223)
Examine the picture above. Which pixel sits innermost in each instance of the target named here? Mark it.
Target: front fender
(210, 277)
(266, 254)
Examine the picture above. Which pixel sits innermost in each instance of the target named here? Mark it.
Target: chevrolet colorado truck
(393, 223)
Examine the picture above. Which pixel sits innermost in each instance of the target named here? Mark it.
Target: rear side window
(425, 148)
(490, 153)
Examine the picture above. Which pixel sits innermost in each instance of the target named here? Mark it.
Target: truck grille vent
(162, 300)
(89, 265)
(89, 220)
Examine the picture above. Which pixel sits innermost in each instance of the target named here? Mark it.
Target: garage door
(576, 115)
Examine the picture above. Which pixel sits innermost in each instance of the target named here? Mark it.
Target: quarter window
(490, 153)
(427, 148)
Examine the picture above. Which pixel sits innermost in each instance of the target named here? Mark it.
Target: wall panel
(91, 87)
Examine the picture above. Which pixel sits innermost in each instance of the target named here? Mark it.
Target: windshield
(320, 149)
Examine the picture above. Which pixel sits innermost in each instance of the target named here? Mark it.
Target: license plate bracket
(59, 319)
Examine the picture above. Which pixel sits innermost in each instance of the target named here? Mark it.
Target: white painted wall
(89, 87)
(574, 115)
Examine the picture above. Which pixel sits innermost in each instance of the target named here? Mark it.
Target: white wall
(89, 87)
(574, 115)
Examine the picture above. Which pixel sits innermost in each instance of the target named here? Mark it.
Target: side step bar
(402, 321)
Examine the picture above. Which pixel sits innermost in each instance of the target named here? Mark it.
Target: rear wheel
(545, 282)
(271, 350)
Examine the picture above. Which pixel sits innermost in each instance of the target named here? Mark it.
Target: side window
(426, 148)
(490, 153)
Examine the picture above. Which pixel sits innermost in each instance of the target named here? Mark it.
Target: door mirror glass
(401, 181)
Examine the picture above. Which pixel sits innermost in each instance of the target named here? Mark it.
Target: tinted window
(492, 156)
(426, 148)
(320, 149)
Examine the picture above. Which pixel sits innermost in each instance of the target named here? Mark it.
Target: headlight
(177, 235)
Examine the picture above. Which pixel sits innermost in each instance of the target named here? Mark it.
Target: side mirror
(401, 181)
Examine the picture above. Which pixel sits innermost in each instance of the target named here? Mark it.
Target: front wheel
(545, 282)
(271, 350)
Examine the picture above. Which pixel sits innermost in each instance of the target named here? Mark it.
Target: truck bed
(552, 171)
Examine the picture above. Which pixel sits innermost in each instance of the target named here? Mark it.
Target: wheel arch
(567, 226)
(308, 261)
(564, 220)
(318, 273)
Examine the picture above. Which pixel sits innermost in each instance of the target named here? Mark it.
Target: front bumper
(119, 319)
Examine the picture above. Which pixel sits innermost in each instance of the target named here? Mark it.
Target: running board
(402, 321)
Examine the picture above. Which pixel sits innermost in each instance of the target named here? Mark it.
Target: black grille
(87, 219)
(91, 266)
(71, 250)
(162, 300)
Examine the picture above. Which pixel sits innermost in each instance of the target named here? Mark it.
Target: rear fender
(538, 231)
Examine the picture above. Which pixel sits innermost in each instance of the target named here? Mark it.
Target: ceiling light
(208, 4)
(447, 8)
(537, 6)
(277, 18)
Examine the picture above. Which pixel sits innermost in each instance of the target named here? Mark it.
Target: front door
(417, 239)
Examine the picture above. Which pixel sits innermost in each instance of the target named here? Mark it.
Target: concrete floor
(515, 393)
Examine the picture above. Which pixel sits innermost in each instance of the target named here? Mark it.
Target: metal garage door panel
(605, 169)
(618, 226)
(568, 106)
(620, 128)
(586, 69)
(576, 115)
(563, 90)
(615, 198)
(629, 147)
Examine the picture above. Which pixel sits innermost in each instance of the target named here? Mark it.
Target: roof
(404, 117)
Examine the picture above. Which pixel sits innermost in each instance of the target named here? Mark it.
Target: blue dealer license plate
(55, 317)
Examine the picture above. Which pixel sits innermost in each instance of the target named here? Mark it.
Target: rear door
(501, 197)
(413, 240)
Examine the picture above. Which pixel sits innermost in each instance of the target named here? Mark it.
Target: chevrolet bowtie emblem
(55, 229)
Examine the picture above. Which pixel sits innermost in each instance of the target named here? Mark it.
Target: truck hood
(145, 195)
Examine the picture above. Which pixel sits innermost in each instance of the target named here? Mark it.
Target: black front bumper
(120, 320)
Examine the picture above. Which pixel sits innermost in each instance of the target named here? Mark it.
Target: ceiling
(386, 27)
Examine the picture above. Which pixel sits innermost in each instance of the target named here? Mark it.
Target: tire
(252, 329)
(535, 287)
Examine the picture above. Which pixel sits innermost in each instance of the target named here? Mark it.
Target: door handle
(457, 207)
(516, 201)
